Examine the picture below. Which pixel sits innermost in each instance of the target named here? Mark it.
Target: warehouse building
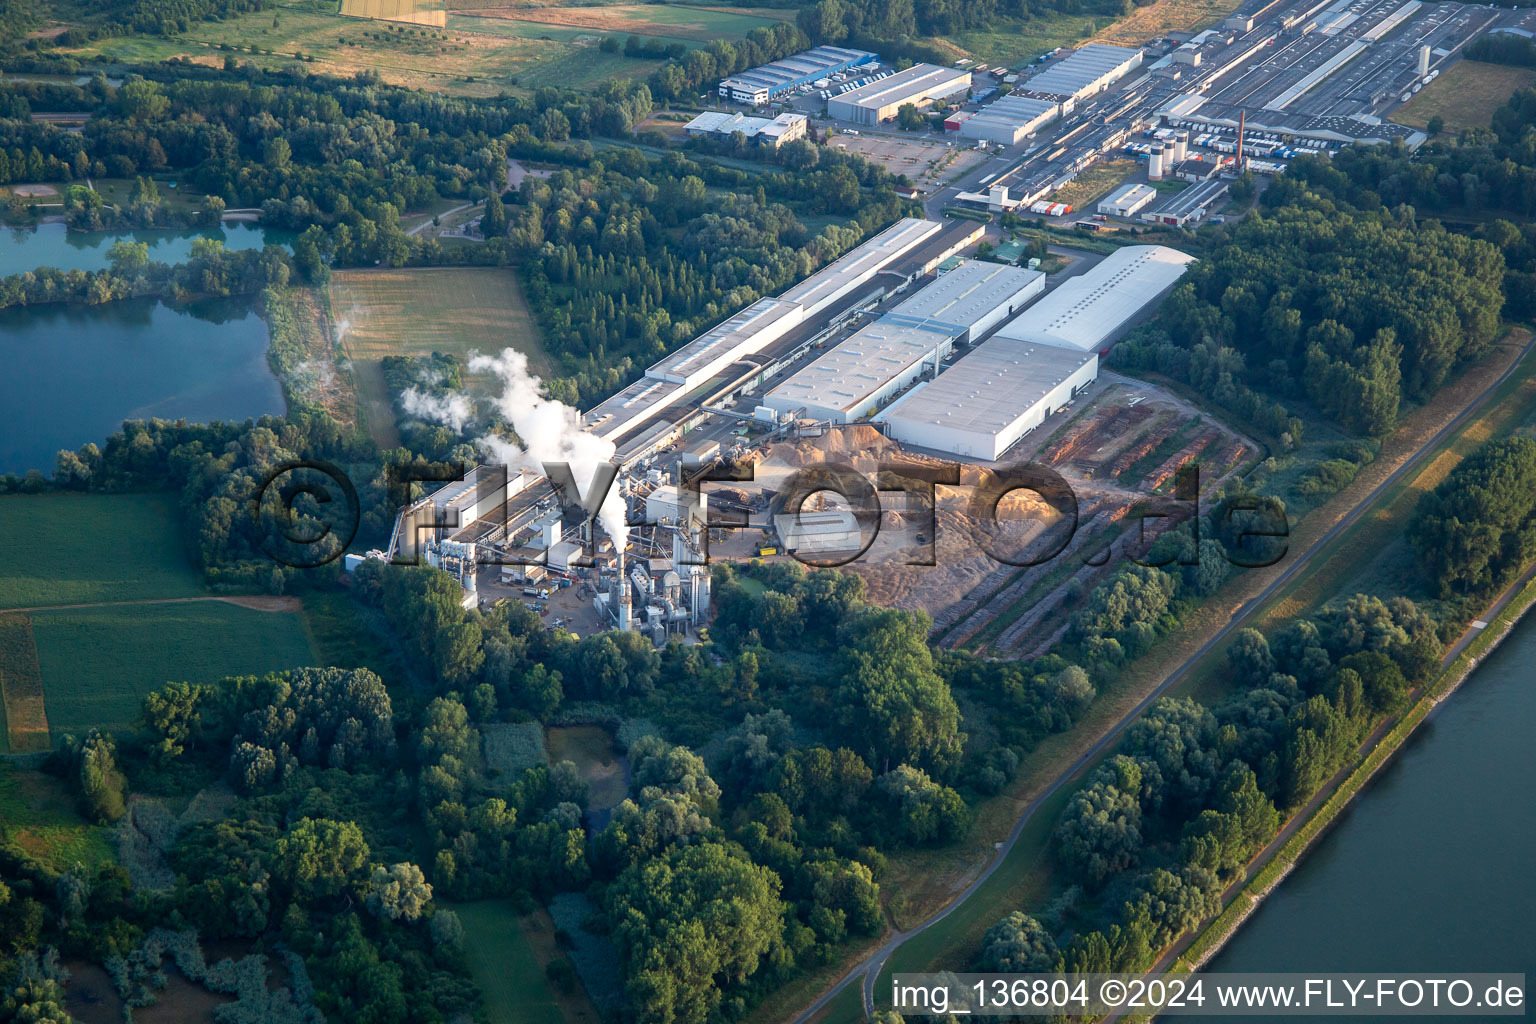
(853, 379)
(1089, 311)
(1000, 391)
(749, 331)
(879, 101)
(1090, 69)
(1009, 120)
(973, 298)
(1188, 206)
(1126, 200)
(863, 372)
(770, 81)
(772, 132)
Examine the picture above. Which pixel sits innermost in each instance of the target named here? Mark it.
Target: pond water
(75, 373)
(52, 245)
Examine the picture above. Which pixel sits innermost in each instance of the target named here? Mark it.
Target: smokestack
(1242, 129)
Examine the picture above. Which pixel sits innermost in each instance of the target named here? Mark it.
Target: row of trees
(1157, 831)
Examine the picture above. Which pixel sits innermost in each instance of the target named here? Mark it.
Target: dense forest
(1346, 293)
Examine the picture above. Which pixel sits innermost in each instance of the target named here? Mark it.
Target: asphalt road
(869, 969)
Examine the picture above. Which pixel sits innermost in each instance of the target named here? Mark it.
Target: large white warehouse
(751, 330)
(981, 406)
(973, 298)
(1089, 311)
(879, 101)
(863, 372)
(851, 380)
(1089, 69)
(1010, 120)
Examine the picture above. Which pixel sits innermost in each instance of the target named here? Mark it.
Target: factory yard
(927, 162)
(1463, 95)
(1122, 448)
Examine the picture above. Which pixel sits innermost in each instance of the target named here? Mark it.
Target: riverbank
(1505, 612)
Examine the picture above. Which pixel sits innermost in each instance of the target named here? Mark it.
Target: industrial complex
(919, 85)
(772, 132)
(771, 81)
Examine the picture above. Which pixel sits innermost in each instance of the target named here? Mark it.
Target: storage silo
(1423, 61)
(1155, 164)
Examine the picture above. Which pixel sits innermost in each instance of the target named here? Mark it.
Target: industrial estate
(653, 513)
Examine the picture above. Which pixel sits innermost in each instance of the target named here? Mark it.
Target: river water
(1430, 869)
(51, 245)
(74, 373)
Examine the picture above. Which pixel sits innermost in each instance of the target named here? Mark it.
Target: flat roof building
(1192, 204)
(1089, 311)
(1126, 200)
(997, 393)
(1089, 69)
(769, 81)
(747, 332)
(972, 298)
(772, 132)
(1009, 120)
(879, 101)
(851, 380)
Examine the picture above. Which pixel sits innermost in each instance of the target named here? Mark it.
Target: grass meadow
(1465, 95)
(417, 312)
(39, 816)
(507, 954)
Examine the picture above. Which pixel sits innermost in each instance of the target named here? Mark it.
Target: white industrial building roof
(990, 388)
(850, 269)
(746, 332)
(1013, 116)
(917, 80)
(632, 406)
(783, 73)
(715, 122)
(1127, 199)
(1087, 70)
(846, 377)
(967, 294)
(1089, 309)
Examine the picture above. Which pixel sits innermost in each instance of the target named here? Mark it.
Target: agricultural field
(412, 12)
(496, 938)
(422, 57)
(417, 312)
(668, 21)
(1465, 95)
(98, 663)
(78, 548)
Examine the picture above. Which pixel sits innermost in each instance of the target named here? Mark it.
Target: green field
(98, 663)
(76, 548)
(39, 817)
(417, 312)
(508, 965)
(666, 21)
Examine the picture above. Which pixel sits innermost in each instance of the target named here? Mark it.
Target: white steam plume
(552, 431)
(453, 409)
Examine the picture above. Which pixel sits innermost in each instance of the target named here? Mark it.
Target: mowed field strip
(100, 604)
(1464, 95)
(672, 21)
(417, 312)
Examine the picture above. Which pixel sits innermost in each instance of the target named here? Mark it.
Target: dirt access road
(870, 967)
